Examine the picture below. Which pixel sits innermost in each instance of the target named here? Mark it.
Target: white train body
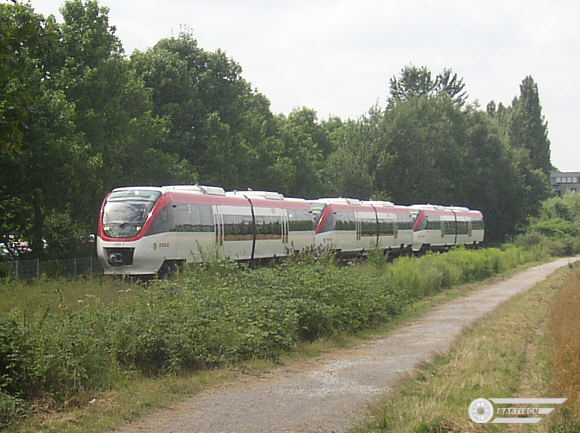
(352, 226)
(442, 227)
(144, 230)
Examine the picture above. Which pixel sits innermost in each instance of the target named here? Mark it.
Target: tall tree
(415, 82)
(27, 41)
(528, 128)
(113, 108)
(41, 175)
(492, 181)
(217, 122)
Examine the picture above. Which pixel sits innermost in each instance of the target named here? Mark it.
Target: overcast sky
(336, 57)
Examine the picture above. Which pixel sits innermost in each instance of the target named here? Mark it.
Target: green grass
(504, 355)
(63, 341)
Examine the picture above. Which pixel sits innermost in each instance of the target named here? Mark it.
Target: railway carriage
(395, 226)
(144, 230)
(352, 226)
(442, 227)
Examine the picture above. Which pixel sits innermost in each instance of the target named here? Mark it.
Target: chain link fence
(70, 268)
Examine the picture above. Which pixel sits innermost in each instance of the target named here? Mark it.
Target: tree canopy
(79, 117)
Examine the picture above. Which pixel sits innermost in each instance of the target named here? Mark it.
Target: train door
(236, 232)
(367, 229)
(193, 224)
(387, 228)
(271, 232)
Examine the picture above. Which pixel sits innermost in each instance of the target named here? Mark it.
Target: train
(147, 230)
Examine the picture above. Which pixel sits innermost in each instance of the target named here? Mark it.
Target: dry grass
(565, 348)
(491, 359)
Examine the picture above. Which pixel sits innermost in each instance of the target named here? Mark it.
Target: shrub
(209, 315)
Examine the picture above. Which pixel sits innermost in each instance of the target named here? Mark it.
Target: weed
(61, 340)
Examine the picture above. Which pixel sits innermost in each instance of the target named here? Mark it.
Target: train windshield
(317, 210)
(126, 211)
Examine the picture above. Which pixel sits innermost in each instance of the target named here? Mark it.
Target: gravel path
(332, 393)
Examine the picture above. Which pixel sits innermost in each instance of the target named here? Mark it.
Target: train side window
(386, 227)
(300, 220)
(193, 218)
(206, 222)
(369, 226)
(433, 222)
(183, 219)
(345, 221)
(238, 227)
(268, 227)
(405, 222)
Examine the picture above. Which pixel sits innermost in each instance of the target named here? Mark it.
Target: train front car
(344, 225)
(125, 217)
(147, 230)
(442, 227)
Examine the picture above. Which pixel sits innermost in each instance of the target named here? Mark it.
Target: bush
(213, 314)
(10, 409)
(556, 229)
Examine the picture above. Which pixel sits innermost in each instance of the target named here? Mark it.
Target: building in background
(566, 182)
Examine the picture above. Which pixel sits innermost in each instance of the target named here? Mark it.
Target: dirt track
(331, 393)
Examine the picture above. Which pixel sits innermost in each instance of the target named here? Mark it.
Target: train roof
(379, 203)
(194, 189)
(268, 195)
(339, 200)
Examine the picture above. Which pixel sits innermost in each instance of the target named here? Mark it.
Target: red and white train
(146, 230)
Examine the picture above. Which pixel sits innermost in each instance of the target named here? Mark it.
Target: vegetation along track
(331, 393)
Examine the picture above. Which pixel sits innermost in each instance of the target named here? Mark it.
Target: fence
(27, 269)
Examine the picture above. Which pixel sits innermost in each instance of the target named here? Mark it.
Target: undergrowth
(58, 343)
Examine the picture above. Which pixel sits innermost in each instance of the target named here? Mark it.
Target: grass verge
(142, 395)
(60, 346)
(507, 354)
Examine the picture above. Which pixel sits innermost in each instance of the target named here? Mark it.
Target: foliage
(78, 117)
(556, 228)
(89, 336)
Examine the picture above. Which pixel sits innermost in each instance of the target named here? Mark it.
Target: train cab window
(126, 211)
(163, 222)
(423, 223)
(329, 223)
(317, 211)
